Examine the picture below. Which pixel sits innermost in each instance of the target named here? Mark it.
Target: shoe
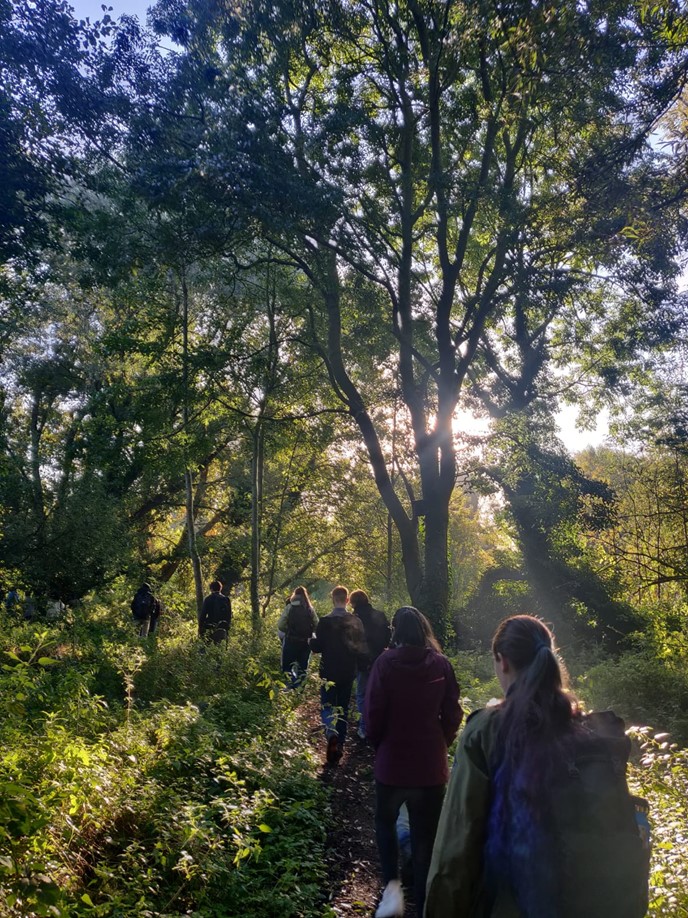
(392, 902)
(332, 749)
(361, 733)
(338, 752)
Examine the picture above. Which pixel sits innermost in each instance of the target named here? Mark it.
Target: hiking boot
(338, 752)
(332, 750)
(392, 902)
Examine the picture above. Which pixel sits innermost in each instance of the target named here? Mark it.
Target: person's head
(359, 598)
(145, 588)
(301, 593)
(215, 586)
(523, 648)
(411, 628)
(530, 672)
(339, 596)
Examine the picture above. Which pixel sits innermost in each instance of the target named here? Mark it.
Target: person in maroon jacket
(412, 714)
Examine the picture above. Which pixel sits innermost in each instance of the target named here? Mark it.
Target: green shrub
(642, 689)
(662, 777)
(153, 778)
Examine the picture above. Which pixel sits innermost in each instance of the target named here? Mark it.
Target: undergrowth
(157, 778)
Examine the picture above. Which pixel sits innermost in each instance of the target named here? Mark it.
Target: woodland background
(293, 293)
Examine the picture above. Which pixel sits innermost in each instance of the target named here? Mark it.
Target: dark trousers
(424, 805)
(335, 700)
(217, 633)
(295, 657)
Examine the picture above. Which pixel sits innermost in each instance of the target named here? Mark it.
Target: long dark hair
(301, 593)
(412, 627)
(536, 721)
(536, 706)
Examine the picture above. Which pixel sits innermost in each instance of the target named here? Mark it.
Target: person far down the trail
(145, 610)
(412, 714)
(216, 615)
(340, 640)
(297, 623)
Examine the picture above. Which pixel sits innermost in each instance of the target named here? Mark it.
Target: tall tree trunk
(188, 476)
(434, 594)
(35, 462)
(191, 537)
(257, 465)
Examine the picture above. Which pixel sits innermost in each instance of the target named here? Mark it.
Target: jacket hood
(411, 659)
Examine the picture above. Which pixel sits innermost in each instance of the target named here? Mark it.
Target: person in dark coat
(340, 639)
(377, 634)
(145, 610)
(216, 615)
(412, 714)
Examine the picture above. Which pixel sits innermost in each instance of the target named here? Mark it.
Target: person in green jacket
(489, 827)
(538, 820)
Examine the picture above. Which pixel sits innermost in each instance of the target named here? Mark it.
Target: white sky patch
(575, 439)
(466, 423)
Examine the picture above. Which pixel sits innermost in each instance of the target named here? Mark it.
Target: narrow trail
(353, 866)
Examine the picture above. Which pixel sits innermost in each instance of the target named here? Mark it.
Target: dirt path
(352, 859)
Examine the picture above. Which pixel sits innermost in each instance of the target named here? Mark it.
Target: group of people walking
(408, 708)
(214, 620)
(537, 821)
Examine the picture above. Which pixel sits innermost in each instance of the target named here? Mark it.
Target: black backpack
(142, 605)
(601, 834)
(377, 633)
(299, 623)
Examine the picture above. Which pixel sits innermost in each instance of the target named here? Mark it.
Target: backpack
(378, 633)
(217, 609)
(299, 622)
(600, 830)
(142, 605)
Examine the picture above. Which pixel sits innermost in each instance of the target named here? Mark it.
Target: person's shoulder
(483, 721)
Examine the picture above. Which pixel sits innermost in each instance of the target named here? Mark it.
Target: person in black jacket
(216, 615)
(145, 610)
(377, 634)
(340, 639)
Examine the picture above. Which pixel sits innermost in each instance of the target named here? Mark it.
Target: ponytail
(536, 708)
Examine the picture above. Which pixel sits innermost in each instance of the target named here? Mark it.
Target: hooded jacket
(412, 714)
(340, 638)
(377, 633)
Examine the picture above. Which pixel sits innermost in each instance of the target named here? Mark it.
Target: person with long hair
(377, 635)
(412, 714)
(502, 847)
(298, 623)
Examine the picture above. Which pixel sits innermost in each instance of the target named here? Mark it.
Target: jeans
(335, 699)
(295, 657)
(147, 626)
(361, 686)
(424, 805)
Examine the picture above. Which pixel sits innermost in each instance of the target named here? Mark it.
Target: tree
(557, 511)
(463, 172)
